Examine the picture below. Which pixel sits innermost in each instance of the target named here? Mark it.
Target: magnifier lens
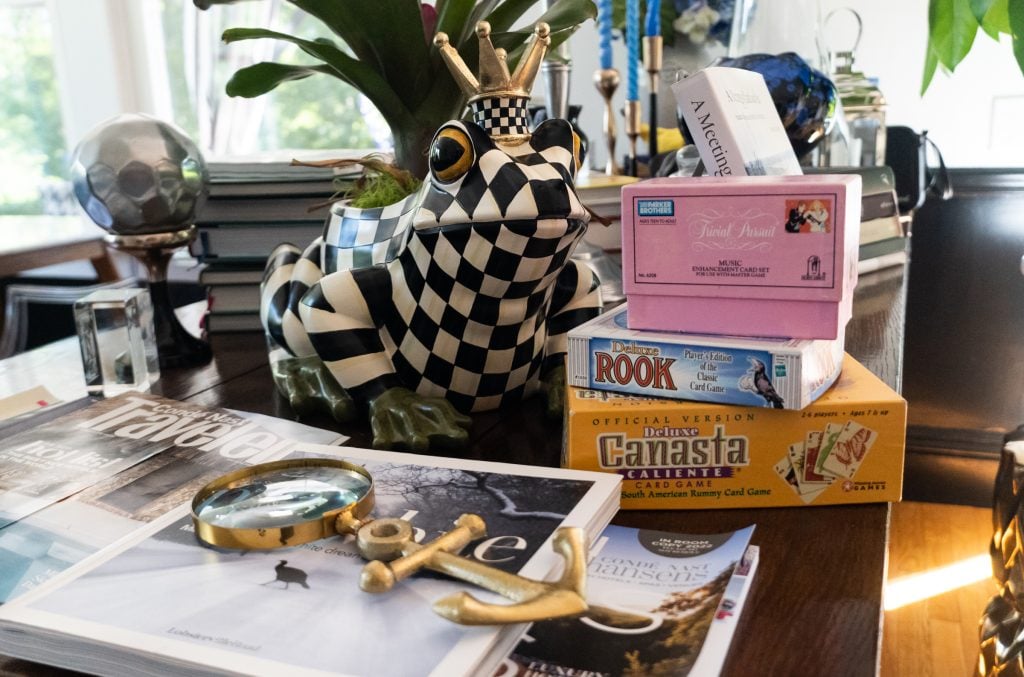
(282, 497)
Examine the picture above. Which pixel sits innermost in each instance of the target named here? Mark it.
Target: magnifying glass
(295, 501)
(283, 503)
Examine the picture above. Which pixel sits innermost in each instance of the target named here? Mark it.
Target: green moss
(381, 184)
(380, 190)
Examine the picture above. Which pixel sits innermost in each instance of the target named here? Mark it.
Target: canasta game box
(847, 447)
(605, 354)
(743, 256)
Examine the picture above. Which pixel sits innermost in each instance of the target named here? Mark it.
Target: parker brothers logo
(673, 453)
(655, 208)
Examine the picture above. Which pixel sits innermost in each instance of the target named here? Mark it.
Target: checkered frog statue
(456, 299)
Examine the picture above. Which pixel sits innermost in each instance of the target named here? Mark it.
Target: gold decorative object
(652, 64)
(632, 132)
(607, 80)
(494, 78)
(291, 502)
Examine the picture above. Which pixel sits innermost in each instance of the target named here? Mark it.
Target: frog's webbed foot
(553, 389)
(310, 388)
(403, 419)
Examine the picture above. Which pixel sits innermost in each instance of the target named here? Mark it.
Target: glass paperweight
(118, 342)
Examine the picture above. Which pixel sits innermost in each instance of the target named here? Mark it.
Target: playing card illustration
(849, 450)
(812, 446)
(828, 441)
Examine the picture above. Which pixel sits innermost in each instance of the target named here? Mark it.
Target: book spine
(706, 121)
(877, 205)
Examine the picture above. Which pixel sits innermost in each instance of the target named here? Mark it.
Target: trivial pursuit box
(743, 256)
(845, 448)
(605, 354)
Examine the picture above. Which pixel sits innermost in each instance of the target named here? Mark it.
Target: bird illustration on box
(456, 299)
(288, 575)
(756, 380)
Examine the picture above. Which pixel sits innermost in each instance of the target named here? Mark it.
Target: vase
(359, 238)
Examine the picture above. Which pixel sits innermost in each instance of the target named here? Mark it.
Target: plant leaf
(387, 35)
(980, 8)
(566, 13)
(342, 66)
(1015, 14)
(508, 12)
(564, 17)
(997, 19)
(452, 17)
(951, 30)
(514, 42)
(931, 61)
(481, 10)
(260, 78)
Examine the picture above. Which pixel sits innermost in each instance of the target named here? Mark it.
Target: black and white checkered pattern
(360, 238)
(528, 181)
(287, 277)
(502, 116)
(481, 298)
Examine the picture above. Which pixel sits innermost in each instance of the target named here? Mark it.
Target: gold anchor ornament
(291, 502)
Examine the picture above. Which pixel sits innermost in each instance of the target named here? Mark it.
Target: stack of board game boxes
(722, 382)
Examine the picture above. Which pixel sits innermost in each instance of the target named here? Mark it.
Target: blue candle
(653, 25)
(604, 25)
(633, 49)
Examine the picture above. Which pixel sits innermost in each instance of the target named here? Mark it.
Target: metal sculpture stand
(607, 80)
(176, 347)
(652, 64)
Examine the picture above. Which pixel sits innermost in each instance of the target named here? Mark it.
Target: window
(317, 112)
(67, 65)
(33, 150)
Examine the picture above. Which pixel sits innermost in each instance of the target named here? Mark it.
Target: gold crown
(494, 76)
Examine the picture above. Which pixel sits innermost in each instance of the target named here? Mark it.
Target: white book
(158, 601)
(732, 120)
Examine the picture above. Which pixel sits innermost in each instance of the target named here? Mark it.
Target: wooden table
(816, 603)
(38, 241)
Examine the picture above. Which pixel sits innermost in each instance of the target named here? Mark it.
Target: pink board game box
(772, 256)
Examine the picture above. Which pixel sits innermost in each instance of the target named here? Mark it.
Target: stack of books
(255, 204)
(722, 382)
(884, 233)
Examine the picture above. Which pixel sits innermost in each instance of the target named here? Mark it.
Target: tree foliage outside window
(33, 161)
(317, 113)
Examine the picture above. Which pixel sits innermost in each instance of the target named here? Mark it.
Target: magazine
(158, 601)
(50, 540)
(661, 604)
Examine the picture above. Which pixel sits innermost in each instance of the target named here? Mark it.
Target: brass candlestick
(606, 80)
(632, 132)
(652, 64)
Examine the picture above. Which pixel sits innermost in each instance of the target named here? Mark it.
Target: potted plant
(384, 49)
(953, 25)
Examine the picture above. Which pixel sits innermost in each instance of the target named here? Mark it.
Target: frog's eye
(451, 155)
